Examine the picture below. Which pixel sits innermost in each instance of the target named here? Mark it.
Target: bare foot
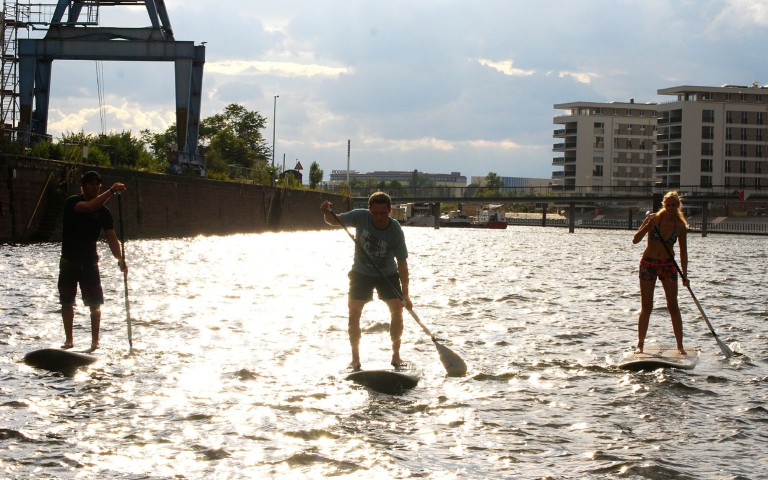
(397, 361)
(94, 346)
(639, 349)
(682, 351)
(67, 345)
(354, 365)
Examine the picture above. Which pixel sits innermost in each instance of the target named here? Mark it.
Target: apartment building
(713, 137)
(604, 147)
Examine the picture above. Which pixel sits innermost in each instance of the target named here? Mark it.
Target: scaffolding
(15, 17)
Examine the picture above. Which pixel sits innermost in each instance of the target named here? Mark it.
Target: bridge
(694, 198)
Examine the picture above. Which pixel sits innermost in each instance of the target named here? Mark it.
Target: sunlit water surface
(240, 346)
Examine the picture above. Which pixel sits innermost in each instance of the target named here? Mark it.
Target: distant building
(537, 184)
(713, 137)
(603, 145)
(453, 179)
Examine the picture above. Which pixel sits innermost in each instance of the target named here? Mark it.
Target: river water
(240, 346)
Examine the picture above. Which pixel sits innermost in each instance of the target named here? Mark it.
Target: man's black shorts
(361, 286)
(70, 275)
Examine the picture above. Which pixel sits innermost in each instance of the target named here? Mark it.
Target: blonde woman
(664, 228)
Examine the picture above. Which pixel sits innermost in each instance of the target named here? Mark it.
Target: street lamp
(274, 125)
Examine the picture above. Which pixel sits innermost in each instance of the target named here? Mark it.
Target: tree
(315, 175)
(231, 142)
(491, 187)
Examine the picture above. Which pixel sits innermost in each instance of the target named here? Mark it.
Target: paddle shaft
(125, 272)
(726, 350)
(383, 275)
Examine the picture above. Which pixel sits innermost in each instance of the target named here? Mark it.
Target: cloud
(274, 68)
(506, 68)
(581, 77)
(740, 13)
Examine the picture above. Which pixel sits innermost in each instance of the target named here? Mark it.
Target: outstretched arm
(98, 201)
(326, 209)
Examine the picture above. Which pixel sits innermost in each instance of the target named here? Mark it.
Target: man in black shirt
(85, 216)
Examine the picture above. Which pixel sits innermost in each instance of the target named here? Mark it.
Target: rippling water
(240, 344)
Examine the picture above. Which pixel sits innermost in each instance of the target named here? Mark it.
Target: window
(729, 116)
(743, 150)
(707, 149)
(760, 118)
(727, 149)
(759, 168)
(759, 151)
(727, 166)
(707, 132)
(742, 167)
(708, 116)
(597, 171)
(706, 181)
(744, 97)
(729, 133)
(744, 134)
(759, 134)
(706, 164)
(744, 117)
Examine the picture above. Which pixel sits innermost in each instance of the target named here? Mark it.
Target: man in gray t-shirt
(383, 267)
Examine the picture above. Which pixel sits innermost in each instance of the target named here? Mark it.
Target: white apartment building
(605, 147)
(713, 138)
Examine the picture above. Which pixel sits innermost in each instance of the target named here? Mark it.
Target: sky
(437, 86)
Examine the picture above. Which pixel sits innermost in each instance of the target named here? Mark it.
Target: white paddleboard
(388, 380)
(659, 356)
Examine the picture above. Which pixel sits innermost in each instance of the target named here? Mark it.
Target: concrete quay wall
(154, 206)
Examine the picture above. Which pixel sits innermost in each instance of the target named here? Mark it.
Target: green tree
(315, 175)
(231, 142)
(491, 187)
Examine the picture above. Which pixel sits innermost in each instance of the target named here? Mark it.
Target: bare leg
(353, 328)
(95, 325)
(68, 317)
(670, 291)
(646, 307)
(396, 329)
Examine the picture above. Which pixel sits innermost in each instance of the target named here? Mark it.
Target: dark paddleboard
(57, 360)
(391, 380)
(659, 356)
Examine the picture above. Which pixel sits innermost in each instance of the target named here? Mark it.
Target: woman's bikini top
(655, 235)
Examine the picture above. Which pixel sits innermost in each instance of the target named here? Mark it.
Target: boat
(455, 218)
(491, 216)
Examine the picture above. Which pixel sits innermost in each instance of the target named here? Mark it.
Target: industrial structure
(73, 33)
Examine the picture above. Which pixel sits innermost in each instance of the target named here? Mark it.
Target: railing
(742, 227)
(531, 192)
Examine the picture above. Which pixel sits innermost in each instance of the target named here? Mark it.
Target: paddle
(125, 272)
(453, 363)
(726, 350)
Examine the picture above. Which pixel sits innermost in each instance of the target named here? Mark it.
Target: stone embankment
(154, 206)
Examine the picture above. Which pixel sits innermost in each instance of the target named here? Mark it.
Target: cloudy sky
(433, 85)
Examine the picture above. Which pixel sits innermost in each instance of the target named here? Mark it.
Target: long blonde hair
(674, 196)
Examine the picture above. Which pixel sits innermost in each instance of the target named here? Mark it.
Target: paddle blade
(453, 363)
(726, 350)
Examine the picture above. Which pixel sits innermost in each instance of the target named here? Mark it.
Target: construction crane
(73, 33)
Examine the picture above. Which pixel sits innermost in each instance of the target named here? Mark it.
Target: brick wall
(32, 193)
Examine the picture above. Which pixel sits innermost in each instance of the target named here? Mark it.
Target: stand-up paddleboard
(660, 356)
(391, 380)
(57, 360)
